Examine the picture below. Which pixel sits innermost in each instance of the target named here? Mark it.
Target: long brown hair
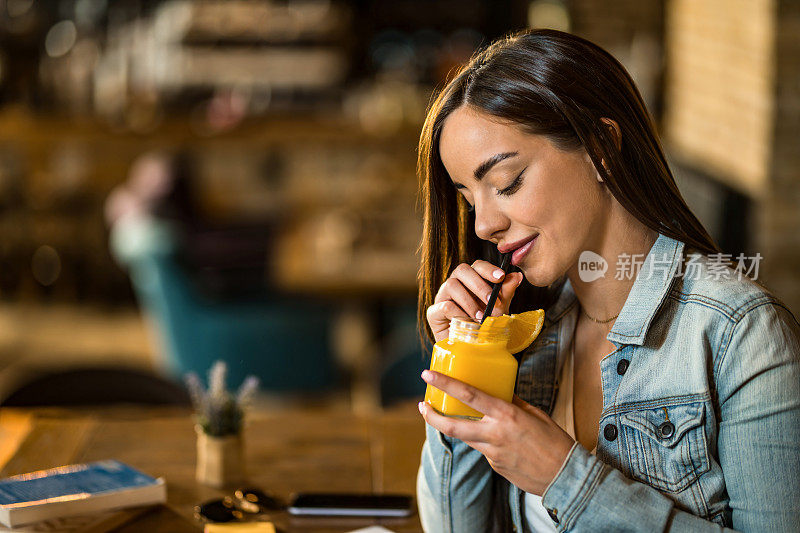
(560, 86)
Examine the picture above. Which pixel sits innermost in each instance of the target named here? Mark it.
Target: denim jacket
(700, 426)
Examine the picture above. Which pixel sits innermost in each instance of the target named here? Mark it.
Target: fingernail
(498, 274)
(427, 376)
(420, 407)
(478, 315)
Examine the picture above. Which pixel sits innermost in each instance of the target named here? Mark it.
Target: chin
(539, 276)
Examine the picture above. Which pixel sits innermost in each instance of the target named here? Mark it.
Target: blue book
(76, 490)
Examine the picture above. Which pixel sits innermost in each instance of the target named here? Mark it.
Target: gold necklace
(606, 321)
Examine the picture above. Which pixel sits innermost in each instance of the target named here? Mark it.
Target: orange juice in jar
(477, 355)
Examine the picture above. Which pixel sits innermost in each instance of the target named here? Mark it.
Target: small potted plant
(219, 416)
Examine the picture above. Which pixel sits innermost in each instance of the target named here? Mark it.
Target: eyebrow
(484, 167)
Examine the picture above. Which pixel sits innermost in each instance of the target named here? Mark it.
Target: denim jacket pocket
(667, 445)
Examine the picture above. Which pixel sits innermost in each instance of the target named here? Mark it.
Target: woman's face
(522, 187)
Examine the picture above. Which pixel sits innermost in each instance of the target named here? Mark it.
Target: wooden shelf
(18, 126)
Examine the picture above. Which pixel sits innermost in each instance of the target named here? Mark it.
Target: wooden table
(288, 451)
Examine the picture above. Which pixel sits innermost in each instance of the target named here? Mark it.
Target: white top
(534, 513)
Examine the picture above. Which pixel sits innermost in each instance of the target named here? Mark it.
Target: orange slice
(501, 321)
(525, 327)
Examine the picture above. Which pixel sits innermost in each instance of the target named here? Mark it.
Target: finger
(469, 395)
(528, 408)
(519, 402)
(466, 430)
(510, 284)
(465, 299)
(488, 271)
(508, 288)
(477, 284)
(439, 315)
(483, 447)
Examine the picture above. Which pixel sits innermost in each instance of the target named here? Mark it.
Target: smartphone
(379, 505)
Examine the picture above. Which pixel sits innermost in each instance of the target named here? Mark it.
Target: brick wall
(719, 87)
(732, 110)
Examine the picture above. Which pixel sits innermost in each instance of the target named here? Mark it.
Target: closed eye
(514, 187)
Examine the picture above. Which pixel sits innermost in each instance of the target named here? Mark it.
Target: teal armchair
(284, 341)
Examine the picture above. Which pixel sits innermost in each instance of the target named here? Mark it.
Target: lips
(515, 245)
(519, 249)
(521, 252)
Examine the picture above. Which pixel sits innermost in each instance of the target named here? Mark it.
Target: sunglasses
(244, 505)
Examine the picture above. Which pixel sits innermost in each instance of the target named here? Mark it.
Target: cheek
(564, 211)
(542, 203)
(564, 204)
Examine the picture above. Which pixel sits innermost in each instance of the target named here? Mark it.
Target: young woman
(663, 394)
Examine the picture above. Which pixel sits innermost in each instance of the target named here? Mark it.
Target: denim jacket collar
(647, 293)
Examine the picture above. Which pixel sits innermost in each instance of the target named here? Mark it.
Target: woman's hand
(520, 441)
(465, 295)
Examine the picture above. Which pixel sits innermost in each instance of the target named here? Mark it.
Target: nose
(490, 222)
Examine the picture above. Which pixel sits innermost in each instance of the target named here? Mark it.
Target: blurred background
(185, 181)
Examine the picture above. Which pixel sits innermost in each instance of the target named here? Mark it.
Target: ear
(589, 161)
(614, 130)
(605, 166)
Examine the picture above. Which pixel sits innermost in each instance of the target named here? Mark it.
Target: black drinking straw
(496, 287)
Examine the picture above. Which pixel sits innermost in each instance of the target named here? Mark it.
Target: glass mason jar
(479, 358)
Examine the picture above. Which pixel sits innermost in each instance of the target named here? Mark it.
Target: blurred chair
(285, 342)
(97, 386)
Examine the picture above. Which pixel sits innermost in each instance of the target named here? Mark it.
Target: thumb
(519, 402)
(528, 408)
(509, 287)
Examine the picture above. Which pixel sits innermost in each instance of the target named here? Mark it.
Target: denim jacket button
(666, 430)
(553, 514)
(610, 432)
(622, 366)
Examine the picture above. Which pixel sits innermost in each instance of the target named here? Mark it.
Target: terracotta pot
(220, 460)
